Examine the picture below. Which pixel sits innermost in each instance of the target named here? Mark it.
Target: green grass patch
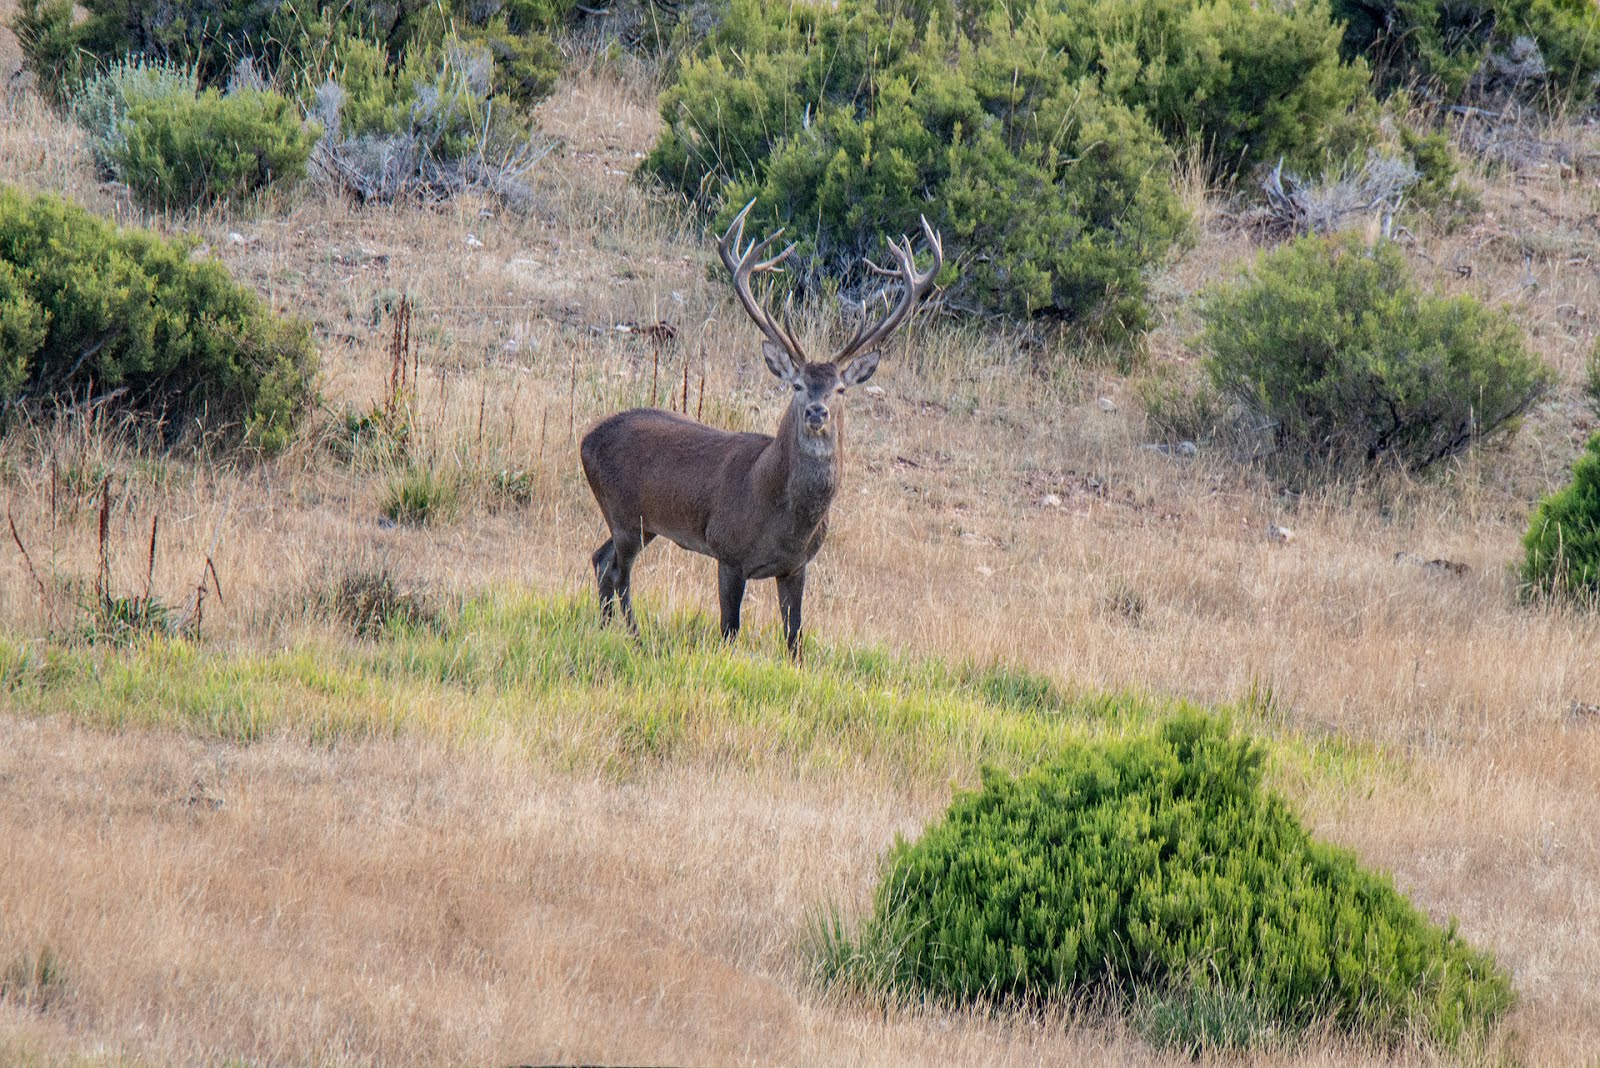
(543, 672)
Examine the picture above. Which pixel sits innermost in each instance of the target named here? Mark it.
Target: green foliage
(1444, 44)
(419, 495)
(1039, 140)
(105, 310)
(176, 147)
(1160, 863)
(289, 44)
(1334, 345)
(1562, 545)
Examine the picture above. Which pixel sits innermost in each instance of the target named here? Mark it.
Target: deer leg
(626, 547)
(730, 586)
(791, 591)
(606, 580)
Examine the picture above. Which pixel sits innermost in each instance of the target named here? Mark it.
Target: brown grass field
(424, 897)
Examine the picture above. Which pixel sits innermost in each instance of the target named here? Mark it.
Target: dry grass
(398, 902)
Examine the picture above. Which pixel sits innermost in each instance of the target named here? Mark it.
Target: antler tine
(916, 286)
(742, 262)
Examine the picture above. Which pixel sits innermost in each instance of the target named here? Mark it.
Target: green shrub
(90, 308)
(1160, 867)
(101, 106)
(290, 44)
(1333, 345)
(1250, 82)
(1563, 541)
(176, 147)
(1055, 197)
(1039, 140)
(1453, 45)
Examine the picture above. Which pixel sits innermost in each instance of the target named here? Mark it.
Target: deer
(756, 503)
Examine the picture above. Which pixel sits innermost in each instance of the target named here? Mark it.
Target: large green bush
(176, 147)
(1038, 138)
(1162, 865)
(1562, 545)
(1452, 45)
(1334, 346)
(850, 124)
(89, 309)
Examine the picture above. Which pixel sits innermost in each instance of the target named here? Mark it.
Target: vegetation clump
(176, 146)
(1040, 139)
(88, 309)
(1545, 50)
(1562, 546)
(1159, 868)
(414, 97)
(1333, 346)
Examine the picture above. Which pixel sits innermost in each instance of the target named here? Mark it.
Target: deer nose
(816, 414)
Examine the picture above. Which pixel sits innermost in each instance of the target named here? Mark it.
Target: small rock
(473, 242)
(1106, 404)
(985, 571)
(1281, 535)
(1051, 500)
(875, 391)
(236, 238)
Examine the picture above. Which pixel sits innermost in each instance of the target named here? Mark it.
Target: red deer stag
(756, 504)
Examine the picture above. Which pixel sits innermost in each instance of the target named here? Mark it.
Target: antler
(916, 287)
(743, 261)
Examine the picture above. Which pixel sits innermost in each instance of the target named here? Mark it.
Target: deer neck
(807, 468)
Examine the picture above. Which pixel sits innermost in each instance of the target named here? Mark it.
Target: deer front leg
(791, 591)
(730, 588)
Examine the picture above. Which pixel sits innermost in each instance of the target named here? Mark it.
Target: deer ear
(779, 362)
(859, 369)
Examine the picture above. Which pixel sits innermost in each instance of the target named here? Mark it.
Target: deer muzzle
(816, 417)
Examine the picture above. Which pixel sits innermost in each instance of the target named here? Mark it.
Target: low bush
(1531, 48)
(290, 44)
(1334, 346)
(1562, 546)
(1160, 870)
(89, 308)
(435, 127)
(177, 147)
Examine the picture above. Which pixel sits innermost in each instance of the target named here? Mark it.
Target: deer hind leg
(730, 591)
(605, 578)
(626, 545)
(791, 592)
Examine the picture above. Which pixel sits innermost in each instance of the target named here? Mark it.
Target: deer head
(816, 386)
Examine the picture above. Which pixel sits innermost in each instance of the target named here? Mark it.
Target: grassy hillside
(502, 834)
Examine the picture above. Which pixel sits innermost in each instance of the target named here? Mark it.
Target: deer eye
(838, 389)
(798, 386)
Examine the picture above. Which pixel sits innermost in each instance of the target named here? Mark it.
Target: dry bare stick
(655, 366)
(103, 581)
(150, 568)
(44, 595)
(686, 383)
(483, 401)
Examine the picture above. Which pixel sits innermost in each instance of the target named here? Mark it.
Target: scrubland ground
(383, 871)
